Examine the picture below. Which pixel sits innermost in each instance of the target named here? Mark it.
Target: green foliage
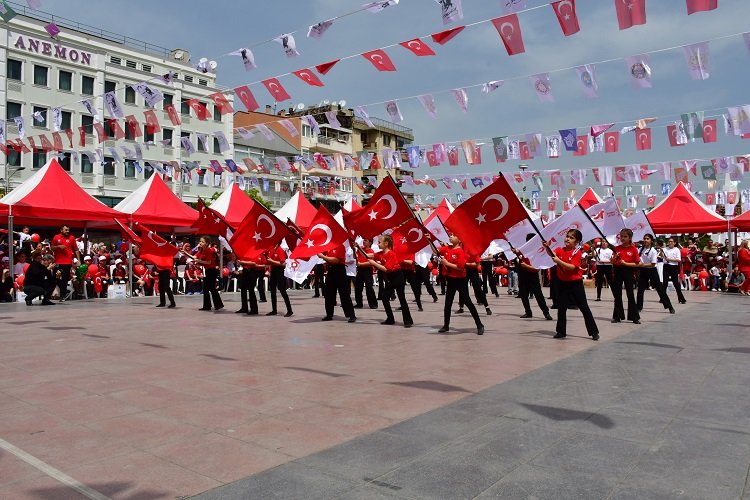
(254, 193)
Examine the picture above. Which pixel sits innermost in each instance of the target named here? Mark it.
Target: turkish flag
(651, 201)
(326, 67)
(152, 122)
(201, 112)
(81, 137)
(744, 161)
(432, 159)
(57, 141)
(247, 98)
(100, 133)
(375, 163)
(565, 10)
(694, 6)
(116, 129)
(155, 249)
(276, 90)
(620, 174)
(411, 237)
(446, 36)
(210, 221)
(46, 145)
(510, 32)
(386, 209)
(582, 146)
(174, 117)
(418, 47)
(133, 126)
(709, 130)
(643, 139)
(672, 133)
(380, 60)
(612, 142)
(324, 234)
(258, 232)
(524, 150)
(308, 77)
(486, 215)
(222, 103)
(128, 233)
(630, 13)
(69, 133)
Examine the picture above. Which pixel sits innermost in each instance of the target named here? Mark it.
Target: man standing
(337, 281)
(65, 248)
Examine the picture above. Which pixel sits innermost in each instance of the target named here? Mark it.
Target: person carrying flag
(206, 257)
(391, 264)
(363, 280)
(277, 281)
(529, 286)
(625, 260)
(453, 259)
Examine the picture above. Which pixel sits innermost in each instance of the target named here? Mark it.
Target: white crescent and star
(377, 59)
(708, 130)
(503, 212)
(325, 229)
(419, 233)
(373, 214)
(415, 44)
(570, 7)
(151, 237)
(643, 137)
(512, 30)
(266, 218)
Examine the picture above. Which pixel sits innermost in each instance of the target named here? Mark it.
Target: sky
(475, 56)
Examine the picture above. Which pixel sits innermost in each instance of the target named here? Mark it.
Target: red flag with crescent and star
(210, 221)
(486, 216)
(247, 97)
(201, 112)
(565, 10)
(308, 77)
(385, 210)
(380, 60)
(411, 237)
(324, 234)
(276, 90)
(630, 13)
(709, 130)
(418, 47)
(128, 233)
(258, 232)
(612, 142)
(510, 32)
(155, 249)
(643, 139)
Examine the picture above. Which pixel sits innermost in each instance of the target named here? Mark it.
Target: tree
(254, 193)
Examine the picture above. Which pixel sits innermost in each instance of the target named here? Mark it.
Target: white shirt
(603, 255)
(672, 254)
(649, 256)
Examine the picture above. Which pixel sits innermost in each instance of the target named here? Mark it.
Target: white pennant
(248, 59)
(428, 102)
(461, 99)
(289, 45)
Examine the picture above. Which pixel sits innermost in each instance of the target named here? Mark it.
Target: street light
(8, 176)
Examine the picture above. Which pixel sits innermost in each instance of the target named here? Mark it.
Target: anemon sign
(54, 50)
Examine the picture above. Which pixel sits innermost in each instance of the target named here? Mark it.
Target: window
(65, 81)
(66, 119)
(39, 158)
(185, 108)
(12, 110)
(65, 162)
(188, 78)
(146, 68)
(115, 60)
(129, 95)
(166, 134)
(130, 168)
(148, 171)
(109, 166)
(216, 146)
(147, 136)
(130, 64)
(108, 131)
(109, 86)
(15, 70)
(203, 82)
(217, 115)
(87, 85)
(128, 133)
(168, 99)
(86, 166)
(306, 131)
(87, 122)
(41, 75)
(386, 140)
(363, 137)
(14, 158)
(43, 113)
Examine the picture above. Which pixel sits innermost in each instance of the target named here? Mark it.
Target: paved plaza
(121, 400)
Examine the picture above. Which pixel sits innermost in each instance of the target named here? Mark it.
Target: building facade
(83, 63)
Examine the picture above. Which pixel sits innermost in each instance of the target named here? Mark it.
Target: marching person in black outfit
(423, 274)
(603, 258)
(337, 281)
(206, 257)
(625, 260)
(390, 264)
(473, 279)
(277, 281)
(488, 275)
(318, 273)
(649, 276)
(165, 287)
(364, 280)
(453, 259)
(528, 285)
(248, 281)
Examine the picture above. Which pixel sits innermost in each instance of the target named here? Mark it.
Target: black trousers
(554, 286)
(318, 274)
(460, 285)
(260, 283)
(572, 292)
(209, 289)
(672, 273)
(528, 286)
(473, 279)
(62, 281)
(424, 277)
(396, 282)
(649, 276)
(416, 285)
(33, 291)
(603, 272)
(338, 281)
(277, 281)
(165, 290)
(623, 277)
(488, 277)
(248, 280)
(364, 281)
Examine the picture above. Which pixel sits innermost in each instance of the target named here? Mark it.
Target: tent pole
(730, 245)
(11, 254)
(129, 285)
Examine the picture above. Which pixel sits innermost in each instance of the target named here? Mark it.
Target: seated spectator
(20, 263)
(193, 283)
(6, 286)
(119, 273)
(735, 280)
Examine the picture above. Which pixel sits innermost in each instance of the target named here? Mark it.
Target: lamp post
(523, 167)
(9, 173)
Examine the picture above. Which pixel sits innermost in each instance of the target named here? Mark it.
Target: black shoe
(252, 313)
(316, 296)
(272, 313)
(434, 298)
(408, 325)
(459, 311)
(616, 320)
(636, 322)
(420, 309)
(595, 336)
(288, 314)
(497, 295)
(553, 307)
(327, 318)
(559, 336)
(241, 311)
(263, 301)
(28, 301)
(398, 308)
(388, 322)
(48, 303)
(488, 310)
(683, 302)
(171, 306)
(353, 319)
(527, 315)
(373, 307)
(548, 317)
(443, 329)
(358, 306)
(671, 310)
(480, 330)
(204, 309)
(597, 299)
(162, 305)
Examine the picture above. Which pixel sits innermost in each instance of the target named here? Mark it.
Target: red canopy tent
(233, 204)
(299, 210)
(156, 206)
(52, 197)
(589, 199)
(682, 212)
(742, 222)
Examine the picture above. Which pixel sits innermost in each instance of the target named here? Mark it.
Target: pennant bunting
(326, 67)
(446, 36)
(492, 86)
(276, 90)
(565, 10)
(587, 77)
(697, 58)
(640, 71)
(308, 77)
(288, 44)
(461, 99)
(248, 59)
(393, 111)
(643, 140)
(418, 47)
(222, 103)
(694, 6)
(317, 31)
(151, 95)
(542, 87)
(630, 13)
(510, 32)
(244, 94)
(380, 60)
(428, 102)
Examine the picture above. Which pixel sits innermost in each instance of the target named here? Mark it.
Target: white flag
(436, 227)
(316, 31)
(245, 133)
(21, 126)
(429, 104)
(605, 176)
(587, 77)
(313, 123)
(640, 71)
(297, 270)
(376, 7)
(451, 10)
(114, 108)
(287, 42)
(203, 141)
(510, 6)
(90, 108)
(289, 126)
(740, 117)
(333, 120)
(56, 119)
(223, 142)
(517, 234)
(553, 146)
(248, 59)
(392, 108)
(697, 59)
(263, 129)
(542, 87)
(187, 145)
(492, 86)
(639, 224)
(607, 216)
(361, 113)
(2, 131)
(150, 94)
(461, 98)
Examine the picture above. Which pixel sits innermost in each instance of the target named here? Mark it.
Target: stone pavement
(122, 400)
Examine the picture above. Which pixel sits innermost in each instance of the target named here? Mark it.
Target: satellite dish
(178, 54)
(203, 60)
(212, 65)
(300, 106)
(326, 102)
(342, 103)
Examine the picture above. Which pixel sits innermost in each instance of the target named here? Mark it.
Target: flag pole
(598, 229)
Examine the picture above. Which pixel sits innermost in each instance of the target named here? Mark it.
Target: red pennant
(630, 13)
(710, 198)
(432, 159)
(46, 145)
(133, 126)
(582, 146)
(116, 129)
(247, 98)
(32, 143)
(510, 32)
(222, 103)
(709, 131)
(476, 156)
(620, 174)
(174, 117)
(644, 172)
(82, 136)
(453, 157)
(694, 6)
(276, 90)
(565, 10)
(57, 141)
(152, 122)
(744, 161)
(524, 150)
(4, 149)
(308, 77)
(672, 134)
(418, 47)
(375, 163)
(69, 133)
(446, 36)
(651, 201)
(612, 142)
(643, 139)
(100, 133)
(201, 112)
(380, 60)
(326, 67)
(250, 164)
